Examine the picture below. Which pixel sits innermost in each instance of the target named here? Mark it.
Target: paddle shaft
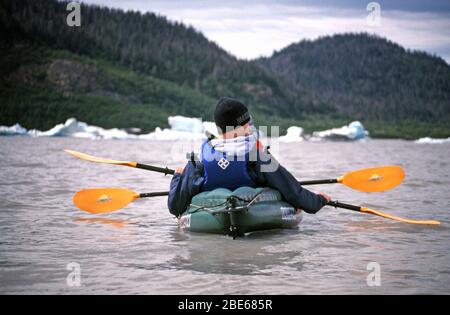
(337, 204)
(163, 170)
(329, 203)
(154, 194)
(319, 182)
(166, 171)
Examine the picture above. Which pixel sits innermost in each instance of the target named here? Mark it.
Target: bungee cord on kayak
(195, 208)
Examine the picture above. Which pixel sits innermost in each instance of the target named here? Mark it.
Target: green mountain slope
(365, 77)
(145, 43)
(41, 87)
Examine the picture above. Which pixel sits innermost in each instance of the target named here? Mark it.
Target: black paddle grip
(163, 170)
(154, 194)
(338, 204)
(318, 182)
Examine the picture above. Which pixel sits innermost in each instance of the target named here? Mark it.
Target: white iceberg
(172, 135)
(71, 128)
(432, 140)
(77, 129)
(15, 130)
(293, 134)
(182, 128)
(354, 131)
(181, 123)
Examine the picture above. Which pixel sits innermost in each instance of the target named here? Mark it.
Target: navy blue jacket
(189, 183)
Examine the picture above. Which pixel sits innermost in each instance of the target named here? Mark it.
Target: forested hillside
(365, 77)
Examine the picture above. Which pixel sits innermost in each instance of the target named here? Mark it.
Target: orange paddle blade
(393, 217)
(102, 200)
(91, 158)
(374, 179)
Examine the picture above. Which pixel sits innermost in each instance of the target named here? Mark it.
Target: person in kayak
(236, 159)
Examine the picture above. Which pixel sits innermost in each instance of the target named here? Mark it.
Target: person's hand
(179, 170)
(324, 195)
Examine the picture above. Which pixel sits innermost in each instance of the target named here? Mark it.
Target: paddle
(103, 200)
(373, 179)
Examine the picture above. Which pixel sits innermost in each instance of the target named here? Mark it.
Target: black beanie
(230, 113)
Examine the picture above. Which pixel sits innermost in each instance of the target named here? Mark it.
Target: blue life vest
(218, 171)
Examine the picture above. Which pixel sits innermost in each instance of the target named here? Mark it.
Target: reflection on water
(245, 256)
(114, 222)
(139, 249)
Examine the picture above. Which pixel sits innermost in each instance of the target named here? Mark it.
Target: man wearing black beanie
(236, 159)
(229, 114)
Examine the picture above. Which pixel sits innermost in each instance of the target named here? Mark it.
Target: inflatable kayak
(244, 210)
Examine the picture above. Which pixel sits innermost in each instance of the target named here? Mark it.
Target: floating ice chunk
(294, 134)
(70, 128)
(77, 129)
(15, 130)
(181, 123)
(432, 141)
(181, 128)
(354, 131)
(172, 135)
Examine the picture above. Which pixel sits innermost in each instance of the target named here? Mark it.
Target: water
(140, 249)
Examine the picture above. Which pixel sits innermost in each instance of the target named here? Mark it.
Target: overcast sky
(253, 28)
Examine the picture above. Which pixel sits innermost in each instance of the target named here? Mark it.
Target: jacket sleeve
(183, 187)
(283, 181)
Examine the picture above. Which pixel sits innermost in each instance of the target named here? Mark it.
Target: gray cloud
(257, 28)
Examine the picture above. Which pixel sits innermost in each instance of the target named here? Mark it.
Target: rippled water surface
(140, 249)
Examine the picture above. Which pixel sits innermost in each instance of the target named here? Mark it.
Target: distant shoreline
(189, 128)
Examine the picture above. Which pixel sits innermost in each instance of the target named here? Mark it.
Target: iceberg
(293, 134)
(181, 123)
(77, 129)
(354, 131)
(182, 128)
(172, 135)
(71, 128)
(15, 130)
(432, 141)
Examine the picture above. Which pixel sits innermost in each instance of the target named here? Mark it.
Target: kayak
(244, 210)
